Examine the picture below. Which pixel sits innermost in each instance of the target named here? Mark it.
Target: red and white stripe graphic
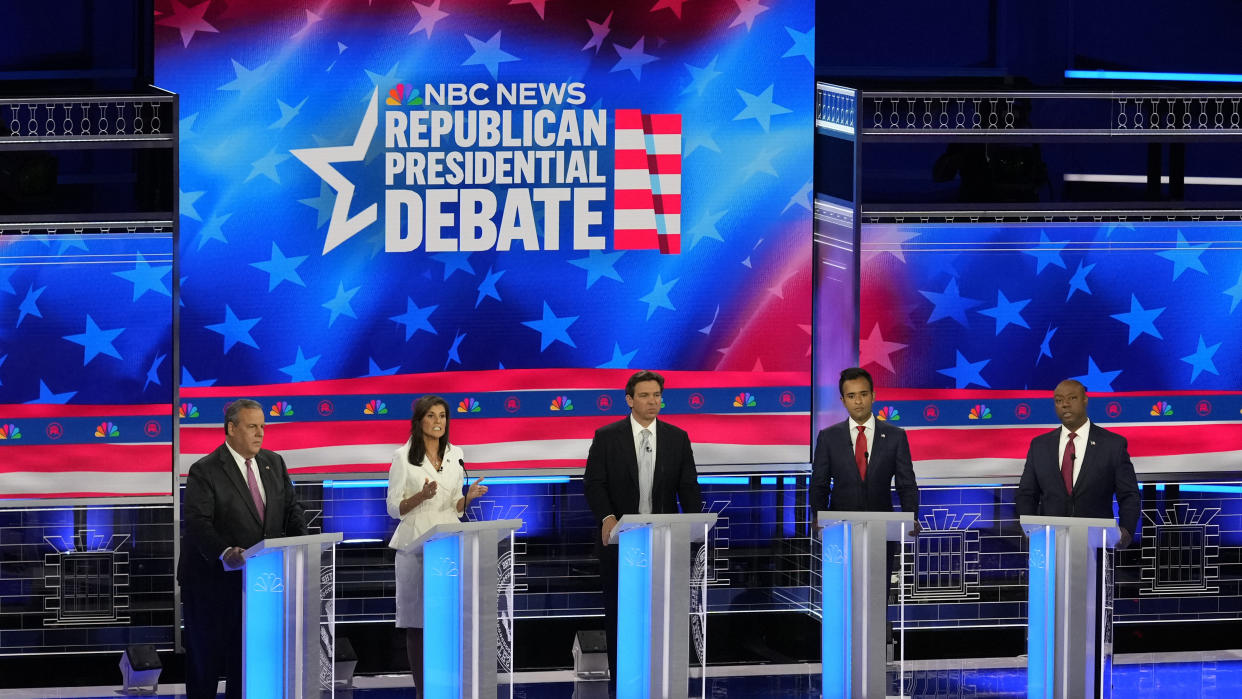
(979, 451)
(356, 444)
(97, 469)
(647, 196)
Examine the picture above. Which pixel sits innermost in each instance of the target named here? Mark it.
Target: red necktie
(254, 488)
(860, 451)
(1067, 463)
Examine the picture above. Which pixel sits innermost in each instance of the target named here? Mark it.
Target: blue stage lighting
(1149, 75)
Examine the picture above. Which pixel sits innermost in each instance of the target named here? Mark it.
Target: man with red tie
(857, 461)
(235, 497)
(1075, 470)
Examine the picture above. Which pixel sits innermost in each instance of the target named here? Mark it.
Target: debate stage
(1138, 676)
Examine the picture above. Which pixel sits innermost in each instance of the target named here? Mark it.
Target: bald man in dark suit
(1077, 469)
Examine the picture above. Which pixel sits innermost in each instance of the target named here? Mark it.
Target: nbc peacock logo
(404, 94)
(107, 429)
(744, 400)
(281, 409)
(980, 412)
(561, 403)
(890, 413)
(10, 431)
(187, 410)
(375, 406)
(469, 405)
(1161, 409)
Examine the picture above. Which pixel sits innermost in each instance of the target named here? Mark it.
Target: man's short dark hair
(639, 377)
(852, 373)
(1075, 382)
(231, 413)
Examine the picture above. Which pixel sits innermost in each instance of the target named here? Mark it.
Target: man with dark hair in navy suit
(1075, 470)
(857, 461)
(638, 465)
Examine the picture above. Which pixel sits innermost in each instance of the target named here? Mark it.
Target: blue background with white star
(86, 319)
(264, 305)
(1120, 307)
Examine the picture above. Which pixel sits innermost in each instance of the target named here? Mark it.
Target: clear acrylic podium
(459, 607)
(288, 629)
(1070, 606)
(653, 603)
(855, 599)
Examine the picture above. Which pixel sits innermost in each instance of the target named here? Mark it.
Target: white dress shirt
(868, 429)
(638, 433)
(1080, 446)
(644, 489)
(241, 467)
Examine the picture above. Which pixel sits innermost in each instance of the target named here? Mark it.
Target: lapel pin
(883, 436)
(1093, 443)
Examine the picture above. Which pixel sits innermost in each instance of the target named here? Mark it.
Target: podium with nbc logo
(460, 607)
(288, 624)
(1069, 626)
(855, 599)
(653, 600)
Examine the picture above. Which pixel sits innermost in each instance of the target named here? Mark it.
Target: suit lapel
(629, 452)
(878, 450)
(233, 475)
(663, 442)
(848, 436)
(1054, 459)
(1088, 459)
(270, 486)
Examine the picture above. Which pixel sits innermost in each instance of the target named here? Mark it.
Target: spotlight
(591, 655)
(140, 670)
(344, 659)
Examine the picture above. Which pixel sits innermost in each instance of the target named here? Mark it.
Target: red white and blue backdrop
(85, 365)
(967, 329)
(514, 205)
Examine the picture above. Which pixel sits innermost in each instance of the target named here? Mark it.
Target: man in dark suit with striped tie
(858, 461)
(235, 497)
(638, 465)
(1075, 470)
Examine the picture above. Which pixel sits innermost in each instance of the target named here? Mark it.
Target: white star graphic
(886, 239)
(342, 226)
(874, 349)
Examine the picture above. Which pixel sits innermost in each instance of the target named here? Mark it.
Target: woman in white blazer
(424, 489)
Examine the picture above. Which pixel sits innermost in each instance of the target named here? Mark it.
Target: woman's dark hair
(418, 448)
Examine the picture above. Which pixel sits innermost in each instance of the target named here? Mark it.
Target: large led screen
(85, 365)
(973, 325)
(512, 204)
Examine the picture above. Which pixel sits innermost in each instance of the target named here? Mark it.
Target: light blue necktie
(646, 472)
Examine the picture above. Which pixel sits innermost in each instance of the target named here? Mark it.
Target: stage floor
(1166, 675)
